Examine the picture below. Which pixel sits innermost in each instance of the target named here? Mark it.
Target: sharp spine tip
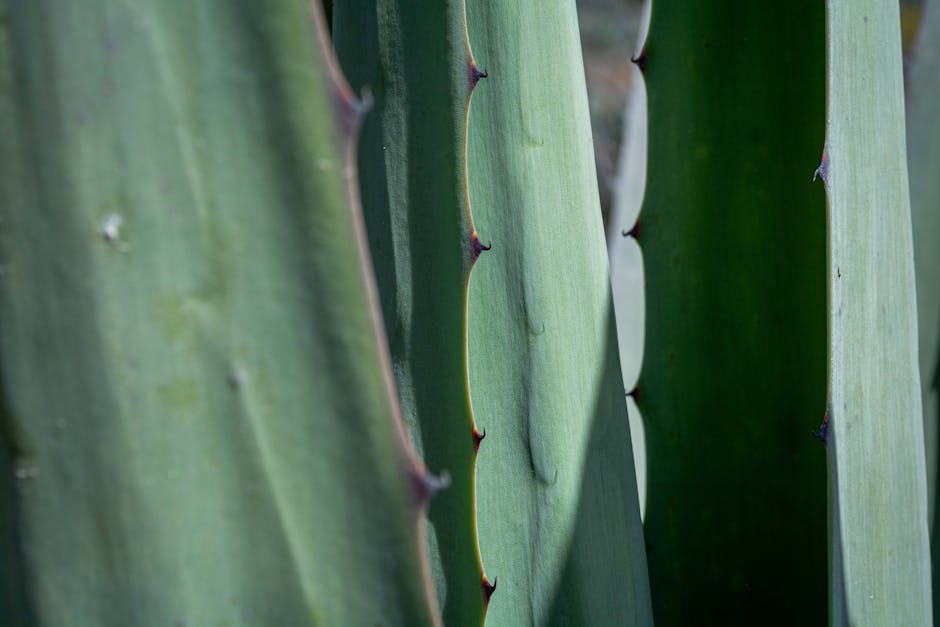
(479, 246)
(354, 109)
(477, 438)
(823, 170)
(823, 432)
(488, 588)
(639, 59)
(475, 74)
(633, 232)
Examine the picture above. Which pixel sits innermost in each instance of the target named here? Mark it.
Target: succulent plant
(281, 349)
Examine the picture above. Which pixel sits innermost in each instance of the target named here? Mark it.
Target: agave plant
(305, 318)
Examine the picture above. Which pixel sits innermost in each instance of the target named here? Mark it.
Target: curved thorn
(633, 232)
(474, 74)
(479, 247)
(822, 433)
(488, 588)
(640, 59)
(823, 170)
(477, 438)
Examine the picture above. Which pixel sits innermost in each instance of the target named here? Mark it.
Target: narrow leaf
(878, 499)
(733, 380)
(415, 60)
(558, 510)
(923, 161)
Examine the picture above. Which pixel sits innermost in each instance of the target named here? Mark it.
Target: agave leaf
(415, 59)
(199, 426)
(923, 160)
(733, 380)
(558, 511)
(878, 502)
(626, 259)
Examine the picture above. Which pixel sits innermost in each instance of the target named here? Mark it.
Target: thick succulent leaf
(881, 559)
(557, 503)
(923, 159)
(626, 258)
(733, 379)
(199, 425)
(415, 59)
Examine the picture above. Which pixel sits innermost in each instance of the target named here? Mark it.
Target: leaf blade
(184, 267)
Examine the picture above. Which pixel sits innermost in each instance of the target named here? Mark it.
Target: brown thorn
(479, 247)
(635, 393)
(640, 59)
(477, 438)
(488, 589)
(474, 74)
(823, 170)
(823, 432)
(634, 232)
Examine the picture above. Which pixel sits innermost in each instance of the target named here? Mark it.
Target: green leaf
(923, 161)
(733, 379)
(558, 512)
(199, 426)
(623, 250)
(878, 503)
(415, 60)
